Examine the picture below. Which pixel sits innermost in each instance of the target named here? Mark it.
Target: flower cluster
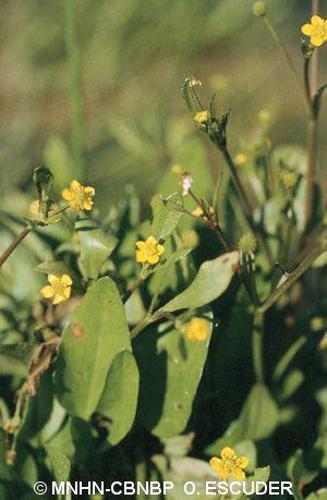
(229, 466)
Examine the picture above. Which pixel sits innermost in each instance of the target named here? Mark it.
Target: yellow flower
(59, 288)
(202, 116)
(229, 466)
(198, 211)
(197, 329)
(78, 196)
(317, 30)
(149, 251)
(240, 159)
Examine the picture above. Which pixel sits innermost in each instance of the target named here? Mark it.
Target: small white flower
(186, 184)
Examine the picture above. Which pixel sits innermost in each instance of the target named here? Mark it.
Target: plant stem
(131, 289)
(75, 86)
(315, 58)
(257, 346)
(311, 74)
(14, 244)
(294, 275)
(289, 61)
(245, 204)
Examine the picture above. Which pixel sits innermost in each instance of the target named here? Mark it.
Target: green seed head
(260, 9)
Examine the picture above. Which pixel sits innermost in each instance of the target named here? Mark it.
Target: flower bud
(260, 9)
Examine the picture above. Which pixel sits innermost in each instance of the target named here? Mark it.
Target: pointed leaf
(212, 280)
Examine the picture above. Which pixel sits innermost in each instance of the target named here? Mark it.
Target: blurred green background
(133, 57)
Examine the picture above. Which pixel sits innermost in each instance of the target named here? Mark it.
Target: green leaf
(52, 267)
(119, 398)
(288, 358)
(97, 332)
(258, 419)
(171, 369)
(96, 247)
(212, 280)
(60, 463)
(15, 358)
(180, 254)
(165, 215)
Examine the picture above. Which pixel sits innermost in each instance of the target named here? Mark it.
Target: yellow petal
(140, 245)
(66, 279)
(222, 471)
(76, 186)
(201, 335)
(89, 190)
(317, 41)
(214, 463)
(307, 29)
(87, 204)
(47, 292)
(57, 299)
(242, 462)
(151, 240)
(238, 474)
(228, 454)
(52, 278)
(66, 194)
(160, 249)
(153, 259)
(67, 292)
(316, 20)
(141, 256)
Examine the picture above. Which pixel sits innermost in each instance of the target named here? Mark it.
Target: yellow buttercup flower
(149, 251)
(317, 30)
(229, 466)
(78, 196)
(240, 159)
(202, 116)
(59, 288)
(198, 211)
(197, 329)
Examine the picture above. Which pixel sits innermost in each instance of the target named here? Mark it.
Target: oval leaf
(171, 369)
(97, 332)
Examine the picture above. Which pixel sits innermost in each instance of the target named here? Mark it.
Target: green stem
(257, 347)
(245, 204)
(14, 244)
(289, 62)
(75, 84)
(294, 275)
